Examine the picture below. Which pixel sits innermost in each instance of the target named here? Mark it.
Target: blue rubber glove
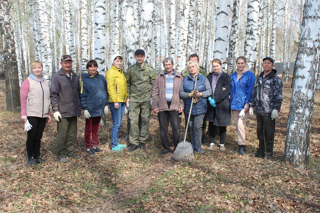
(212, 102)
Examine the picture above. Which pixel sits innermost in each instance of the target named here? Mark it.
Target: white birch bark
(115, 47)
(251, 48)
(190, 34)
(273, 29)
(146, 29)
(172, 29)
(156, 36)
(197, 26)
(69, 29)
(182, 35)
(262, 19)
(233, 40)
(267, 34)
(297, 146)
(222, 30)
(289, 48)
(204, 47)
(84, 35)
(284, 73)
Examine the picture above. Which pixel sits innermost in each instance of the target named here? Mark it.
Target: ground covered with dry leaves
(148, 182)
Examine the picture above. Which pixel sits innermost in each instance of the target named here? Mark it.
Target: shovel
(184, 150)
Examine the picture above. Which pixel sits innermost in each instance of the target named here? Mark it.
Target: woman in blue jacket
(94, 100)
(242, 83)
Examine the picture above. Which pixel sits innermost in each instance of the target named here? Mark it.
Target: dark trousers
(35, 135)
(222, 132)
(67, 137)
(164, 118)
(265, 132)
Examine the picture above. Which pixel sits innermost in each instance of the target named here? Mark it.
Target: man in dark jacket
(65, 101)
(266, 102)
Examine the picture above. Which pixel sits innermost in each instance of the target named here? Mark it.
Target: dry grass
(149, 182)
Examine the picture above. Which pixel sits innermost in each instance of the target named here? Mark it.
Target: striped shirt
(169, 86)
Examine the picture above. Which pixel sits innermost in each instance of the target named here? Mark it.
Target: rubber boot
(241, 149)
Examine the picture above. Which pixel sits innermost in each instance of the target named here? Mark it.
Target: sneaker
(211, 147)
(74, 156)
(31, 161)
(39, 160)
(200, 150)
(117, 148)
(91, 152)
(97, 149)
(142, 146)
(222, 148)
(63, 159)
(164, 151)
(132, 147)
(122, 145)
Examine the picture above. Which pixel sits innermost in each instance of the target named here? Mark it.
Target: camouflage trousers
(139, 117)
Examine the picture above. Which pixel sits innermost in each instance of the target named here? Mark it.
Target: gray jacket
(65, 94)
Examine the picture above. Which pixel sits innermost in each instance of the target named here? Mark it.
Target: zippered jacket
(267, 94)
(35, 97)
(117, 85)
(94, 95)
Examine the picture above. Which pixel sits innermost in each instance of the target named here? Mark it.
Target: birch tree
(233, 40)
(273, 29)
(190, 35)
(289, 48)
(222, 30)
(84, 35)
(10, 60)
(172, 29)
(146, 33)
(251, 49)
(297, 146)
(284, 73)
(182, 34)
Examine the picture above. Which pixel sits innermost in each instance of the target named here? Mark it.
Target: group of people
(207, 98)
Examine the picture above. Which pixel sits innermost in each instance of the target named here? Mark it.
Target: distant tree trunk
(273, 29)
(297, 146)
(182, 35)
(70, 41)
(267, 36)
(289, 49)
(84, 35)
(156, 36)
(284, 73)
(172, 29)
(10, 60)
(233, 40)
(251, 48)
(190, 35)
(222, 30)
(262, 20)
(146, 33)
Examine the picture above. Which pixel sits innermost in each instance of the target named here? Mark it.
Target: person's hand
(197, 94)
(180, 110)
(251, 111)
(156, 110)
(27, 126)
(48, 119)
(212, 102)
(242, 114)
(274, 114)
(57, 116)
(24, 118)
(191, 94)
(106, 109)
(116, 105)
(246, 107)
(86, 114)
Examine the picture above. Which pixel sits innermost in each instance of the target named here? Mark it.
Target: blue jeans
(117, 115)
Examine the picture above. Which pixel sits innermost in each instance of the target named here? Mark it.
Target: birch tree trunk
(70, 40)
(251, 48)
(222, 30)
(233, 40)
(190, 34)
(273, 29)
(146, 29)
(156, 36)
(284, 73)
(182, 35)
(10, 60)
(297, 146)
(261, 36)
(289, 48)
(172, 29)
(84, 35)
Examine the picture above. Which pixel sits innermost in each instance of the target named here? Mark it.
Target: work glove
(251, 111)
(125, 110)
(27, 126)
(191, 94)
(242, 114)
(106, 110)
(86, 114)
(57, 116)
(274, 114)
(212, 102)
(127, 105)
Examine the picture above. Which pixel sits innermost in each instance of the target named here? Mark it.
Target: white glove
(57, 116)
(27, 126)
(86, 114)
(251, 111)
(127, 105)
(106, 110)
(125, 110)
(274, 114)
(242, 114)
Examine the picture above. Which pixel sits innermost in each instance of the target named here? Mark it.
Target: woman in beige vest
(35, 103)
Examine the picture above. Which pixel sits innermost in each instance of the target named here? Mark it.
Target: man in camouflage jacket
(140, 80)
(194, 57)
(266, 102)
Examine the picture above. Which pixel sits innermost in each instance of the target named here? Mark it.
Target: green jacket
(185, 72)
(140, 82)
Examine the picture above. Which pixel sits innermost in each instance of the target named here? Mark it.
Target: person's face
(168, 66)
(140, 58)
(92, 70)
(267, 65)
(216, 67)
(193, 69)
(117, 62)
(241, 64)
(66, 66)
(37, 71)
(194, 59)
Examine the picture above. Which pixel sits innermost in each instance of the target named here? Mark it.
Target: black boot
(241, 149)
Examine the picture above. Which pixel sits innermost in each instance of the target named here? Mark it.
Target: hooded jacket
(117, 85)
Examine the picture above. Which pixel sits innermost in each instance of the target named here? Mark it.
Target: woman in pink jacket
(35, 102)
